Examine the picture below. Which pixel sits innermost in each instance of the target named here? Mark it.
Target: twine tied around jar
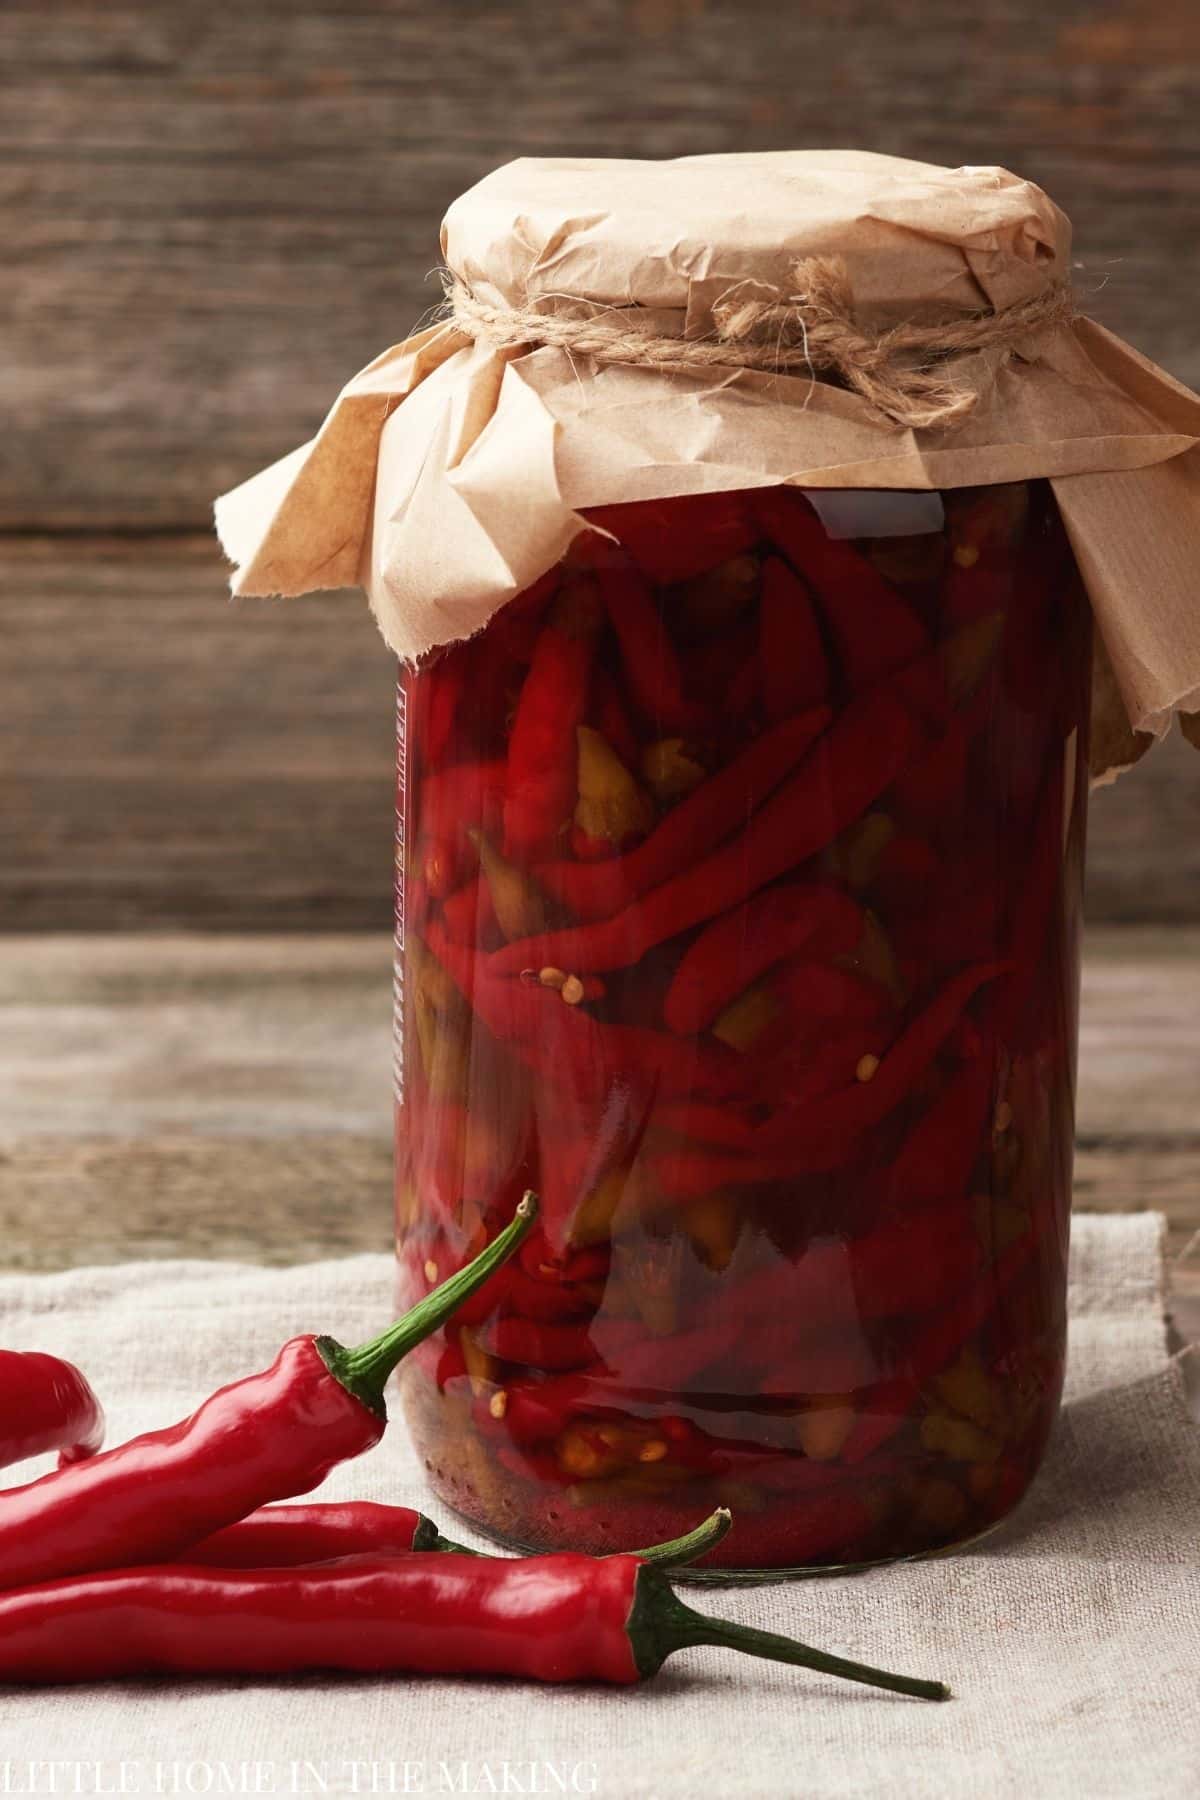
(908, 372)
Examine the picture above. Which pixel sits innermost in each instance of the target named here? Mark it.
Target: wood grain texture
(229, 1096)
(171, 758)
(212, 217)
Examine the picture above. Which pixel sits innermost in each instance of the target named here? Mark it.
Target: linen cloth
(1071, 1637)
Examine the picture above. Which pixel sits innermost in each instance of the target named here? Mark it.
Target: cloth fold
(1071, 1636)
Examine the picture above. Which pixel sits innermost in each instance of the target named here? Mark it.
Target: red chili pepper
(540, 789)
(581, 1139)
(530, 1465)
(612, 720)
(794, 1363)
(440, 686)
(290, 1537)
(703, 1123)
(46, 1404)
(547, 1618)
(800, 1066)
(629, 1361)
(493, 664)
(668, 1365)
(735, 949)
(280, 1537)
(906, 874)
(713, 669)
(547, 1302)
(932, 1348)
(463, 793)
(540, 1346)
(820, 996)
(451, 1364)
(960, 920)
(931, 794)
(539, 1411)
(452, 800)
(680, 538)
(794, 670)
(923, 1259)
(264, 1438)
(875, 630)
(711, 813)
(512, 1290)
(942, 1147)
(684, 1173)
(572, 990)
(652, 672)
(576, 1051)
(513, 631)
(468, 914)
(831, 1122)
(744, 689)
(536, 1412)
(538, 1258)
(904, 1264)
(857, 758)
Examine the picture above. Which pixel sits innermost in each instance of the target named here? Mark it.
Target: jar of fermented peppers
(741, 859)
(726, 526)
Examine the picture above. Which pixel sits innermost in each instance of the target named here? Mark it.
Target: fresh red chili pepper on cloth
(263, 1438)
(290, 1537)
(544, 1618)
(46, 1404)
(281, 1537)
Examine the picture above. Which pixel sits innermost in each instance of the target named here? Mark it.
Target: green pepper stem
(451, 1547)
(660, 1623)
(688, 1549)
(428, 1537)
(365, 1370)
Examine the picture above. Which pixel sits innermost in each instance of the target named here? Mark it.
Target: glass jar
(740, 863)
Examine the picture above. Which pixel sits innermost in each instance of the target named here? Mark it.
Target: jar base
(752, 1577)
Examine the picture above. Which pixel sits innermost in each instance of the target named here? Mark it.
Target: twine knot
(909, 373)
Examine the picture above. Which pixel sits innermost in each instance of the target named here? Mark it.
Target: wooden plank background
(212, 216)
